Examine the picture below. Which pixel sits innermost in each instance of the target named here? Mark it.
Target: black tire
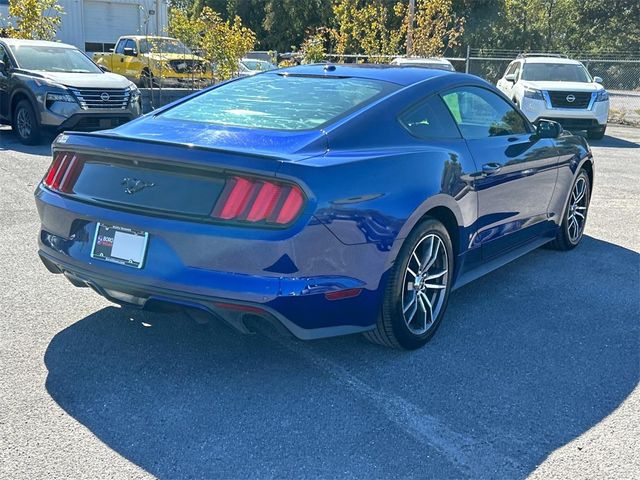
(596, 134)
(147, 80)
(391, 330)
(564, 239)
(25, 123)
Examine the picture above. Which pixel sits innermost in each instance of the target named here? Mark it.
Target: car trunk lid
(155, 176)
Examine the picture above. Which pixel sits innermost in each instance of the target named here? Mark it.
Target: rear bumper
(278, 277)
(232, 312)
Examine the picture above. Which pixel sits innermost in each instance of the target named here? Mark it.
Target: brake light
(256, 200)
(63, 172)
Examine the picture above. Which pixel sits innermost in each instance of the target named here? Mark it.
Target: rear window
(281, 102)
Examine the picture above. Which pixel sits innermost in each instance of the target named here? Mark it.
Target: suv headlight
(61, 100)
(602, 96)
(59, 97)
(134, 93)
(533, 93)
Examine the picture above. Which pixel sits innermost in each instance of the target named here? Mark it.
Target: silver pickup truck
(53, 86)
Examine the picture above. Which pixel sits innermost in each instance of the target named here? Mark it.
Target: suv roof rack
(556, 55)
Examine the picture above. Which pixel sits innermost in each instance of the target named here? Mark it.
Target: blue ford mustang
(329, 199)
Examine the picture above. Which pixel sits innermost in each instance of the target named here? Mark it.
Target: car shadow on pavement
(613, 142)
(9, 141)
(528, 358)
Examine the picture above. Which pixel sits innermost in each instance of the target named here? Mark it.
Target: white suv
(557, 88)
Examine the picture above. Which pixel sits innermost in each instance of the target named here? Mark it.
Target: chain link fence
(620, 72)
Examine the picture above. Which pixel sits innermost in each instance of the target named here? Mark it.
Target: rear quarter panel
(377, 181)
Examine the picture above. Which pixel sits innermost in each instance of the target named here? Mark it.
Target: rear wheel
(25, 123)
(418, 290)
(575, 217)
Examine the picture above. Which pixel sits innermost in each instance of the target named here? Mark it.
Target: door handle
(491, 168)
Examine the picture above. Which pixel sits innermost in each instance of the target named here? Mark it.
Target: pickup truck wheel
(146, 80)
(25, 123)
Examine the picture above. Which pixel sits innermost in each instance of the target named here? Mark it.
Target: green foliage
(34, 19)
(551, 25)
(278, 24)
(377, 28)
(437, 28)
(364, 29)
(223, 42)
(313, 49)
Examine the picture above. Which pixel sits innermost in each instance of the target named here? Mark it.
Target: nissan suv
(53, 86)
(557, 88)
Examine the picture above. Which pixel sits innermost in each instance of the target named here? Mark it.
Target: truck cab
(156, 61)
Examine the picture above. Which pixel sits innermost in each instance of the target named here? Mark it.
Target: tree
(376, 29)
(34, 19)
(364, 29)
(286, 21)
(437, 28)
(187, 30)
(222, 42)
(313, 47)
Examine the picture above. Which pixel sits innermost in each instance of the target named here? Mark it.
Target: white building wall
(79, 26)
(76, 29)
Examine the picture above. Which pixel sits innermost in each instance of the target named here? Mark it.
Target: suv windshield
(259, 65)
(280, 102)
(53, 59)
(555, 72)
(163, 45)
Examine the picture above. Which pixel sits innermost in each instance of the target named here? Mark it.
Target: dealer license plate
(121, 245)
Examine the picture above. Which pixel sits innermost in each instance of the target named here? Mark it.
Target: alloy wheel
(577, 214)
(425, 284)
(24, 123)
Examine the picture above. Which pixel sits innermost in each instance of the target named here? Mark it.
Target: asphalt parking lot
(534, 371)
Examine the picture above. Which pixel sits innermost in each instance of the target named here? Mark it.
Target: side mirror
(548, 129)
(3, 67)
(104, 69)
(597, 79)
(511, 77)
(130, 52)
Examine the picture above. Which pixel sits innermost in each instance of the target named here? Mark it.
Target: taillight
(257, 200)
(63, 172)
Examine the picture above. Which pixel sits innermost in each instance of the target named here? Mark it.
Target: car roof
(149, 37)
(39, 43)
(567, 61)
(398, 74)
(409, 60)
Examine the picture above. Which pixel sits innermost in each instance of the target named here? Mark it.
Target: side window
(4, 57)
(516, 71)
(130, 44)
(511, 69)
(429, 119)
(481, 113)
(120, 47)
